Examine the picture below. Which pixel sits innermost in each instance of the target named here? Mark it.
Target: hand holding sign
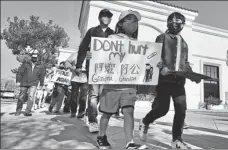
(88, 55)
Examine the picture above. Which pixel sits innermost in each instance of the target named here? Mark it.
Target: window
(211, 87)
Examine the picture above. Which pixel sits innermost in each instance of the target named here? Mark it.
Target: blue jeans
(82, 97)
(58, 98)
(93, 99)
(31, 90)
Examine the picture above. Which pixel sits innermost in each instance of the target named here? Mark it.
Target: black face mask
(34, 60)
(173, 30)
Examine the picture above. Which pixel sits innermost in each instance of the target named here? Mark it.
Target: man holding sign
(175, 58)
(62, 79)
(101, 30)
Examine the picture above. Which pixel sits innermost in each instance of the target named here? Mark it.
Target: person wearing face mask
(59, 93)
(174, 58)
(29, 75)
(115, 96)
(102, 30)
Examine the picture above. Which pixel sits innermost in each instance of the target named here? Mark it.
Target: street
(208, 130)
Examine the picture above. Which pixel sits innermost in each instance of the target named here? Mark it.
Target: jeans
(22, 98)
(57, 99)
(161, 106)
(82, 98)
(41, 96)
(93, 99)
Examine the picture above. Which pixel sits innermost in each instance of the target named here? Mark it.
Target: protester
(78, 83)
(124, 96)
(28, 76)
(174, 57)
(59, 93)
(101, 30)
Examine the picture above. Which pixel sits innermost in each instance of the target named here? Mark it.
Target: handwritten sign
(122, 61)
(62, 77)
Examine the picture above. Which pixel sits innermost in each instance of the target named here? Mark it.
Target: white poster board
(121, 61)
(62, 77)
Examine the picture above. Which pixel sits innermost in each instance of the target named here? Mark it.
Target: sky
(66, 14)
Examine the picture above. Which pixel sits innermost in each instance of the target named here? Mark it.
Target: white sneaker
(143, 130)
(93, 127)
(179, 144)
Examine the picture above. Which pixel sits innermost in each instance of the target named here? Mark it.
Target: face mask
(175, 26)
(34, 60)
(147, 67)
(130, 24)
(105, 20)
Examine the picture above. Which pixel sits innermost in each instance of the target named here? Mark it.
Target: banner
(122, 61)
(62, 77)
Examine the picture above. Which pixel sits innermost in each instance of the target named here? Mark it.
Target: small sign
(62, 77)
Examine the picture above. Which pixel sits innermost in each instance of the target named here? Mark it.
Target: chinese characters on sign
(121, 61)
(62, 77)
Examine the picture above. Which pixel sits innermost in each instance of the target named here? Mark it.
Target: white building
(208, 46)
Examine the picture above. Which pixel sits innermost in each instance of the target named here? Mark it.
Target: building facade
(208, 46)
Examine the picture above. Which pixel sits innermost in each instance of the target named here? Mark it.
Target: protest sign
(62, 77)
(123, 61)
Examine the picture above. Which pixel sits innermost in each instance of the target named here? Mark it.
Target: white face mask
(147, 67)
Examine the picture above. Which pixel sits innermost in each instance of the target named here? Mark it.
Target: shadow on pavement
(196, 128)
(204, 141)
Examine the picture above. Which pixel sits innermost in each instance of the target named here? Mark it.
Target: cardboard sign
(62, 77)
(123, 61)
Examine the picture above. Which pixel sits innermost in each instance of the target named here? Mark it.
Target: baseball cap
(130, 12)
(105, 11)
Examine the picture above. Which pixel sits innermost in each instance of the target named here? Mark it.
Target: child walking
(124, 96)
(174, 57)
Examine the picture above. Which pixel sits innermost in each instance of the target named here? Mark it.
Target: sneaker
(136, 146)
(18, 112)
(185, 126)
(73, 115)
(93, 127)
(81, 115)
(102, 142)
(143, 129)
(28, 114)
(50, 108)
(179, 144)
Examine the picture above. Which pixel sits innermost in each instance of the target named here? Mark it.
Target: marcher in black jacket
(28, 77)
(101, 30)
(174, 58)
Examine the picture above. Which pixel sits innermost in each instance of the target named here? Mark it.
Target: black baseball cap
(105, 11)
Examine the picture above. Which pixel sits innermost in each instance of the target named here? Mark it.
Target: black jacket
(85, 44)
(169, 54)
(27, 76)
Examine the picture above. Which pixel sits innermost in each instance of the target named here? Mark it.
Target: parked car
(7, 94)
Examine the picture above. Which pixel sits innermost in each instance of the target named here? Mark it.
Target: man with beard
(174, 58)
(101, 30)
(28, 77)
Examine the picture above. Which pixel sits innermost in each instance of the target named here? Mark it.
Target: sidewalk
(47, 131)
